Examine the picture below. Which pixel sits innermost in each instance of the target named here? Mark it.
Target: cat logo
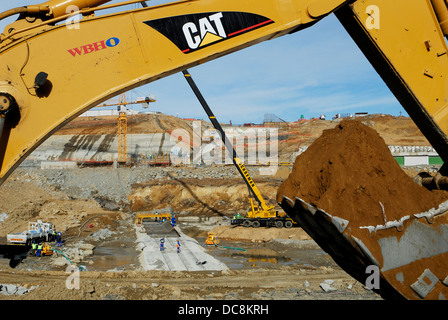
(193, 32)
(208, 30)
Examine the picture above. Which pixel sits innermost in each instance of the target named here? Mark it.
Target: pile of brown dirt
(24, 201)
(259, 235)
(349, 172)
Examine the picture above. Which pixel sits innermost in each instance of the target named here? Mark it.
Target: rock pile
(10, 289)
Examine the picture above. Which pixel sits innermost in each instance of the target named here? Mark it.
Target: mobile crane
(51, 72)
(257, 215)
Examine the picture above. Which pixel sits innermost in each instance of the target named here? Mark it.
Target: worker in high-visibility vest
(178, 246)
(39, 250)
(33, 248)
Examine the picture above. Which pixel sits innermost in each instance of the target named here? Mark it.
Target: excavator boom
(53, 68)
(50, 73)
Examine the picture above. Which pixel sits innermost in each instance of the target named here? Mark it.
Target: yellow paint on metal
(100, 57)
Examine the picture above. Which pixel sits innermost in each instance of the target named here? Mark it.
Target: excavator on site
(54, 67)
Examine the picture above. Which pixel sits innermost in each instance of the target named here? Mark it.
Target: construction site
(127, 205)
(96, 208)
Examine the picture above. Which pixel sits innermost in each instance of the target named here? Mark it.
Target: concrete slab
(191, 257)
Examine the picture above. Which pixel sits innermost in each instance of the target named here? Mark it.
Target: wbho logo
(93, 47)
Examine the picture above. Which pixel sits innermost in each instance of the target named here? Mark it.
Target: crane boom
(228, 144)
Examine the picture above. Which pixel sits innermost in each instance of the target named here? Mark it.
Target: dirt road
(283, 284)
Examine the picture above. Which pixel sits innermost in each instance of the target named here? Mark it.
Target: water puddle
(243, 255)
(114, 255)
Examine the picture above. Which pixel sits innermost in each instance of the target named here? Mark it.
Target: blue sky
(319, 70)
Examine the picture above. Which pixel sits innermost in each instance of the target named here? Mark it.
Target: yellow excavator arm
(52, 69)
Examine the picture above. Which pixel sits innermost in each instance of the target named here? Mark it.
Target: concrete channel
(191, 257)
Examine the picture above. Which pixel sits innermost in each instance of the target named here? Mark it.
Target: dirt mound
(23, 201)
(259, 235)
(350, 172)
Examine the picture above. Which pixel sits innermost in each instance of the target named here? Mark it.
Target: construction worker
(33, 248)
(59, 239)
(173, 221)
(178, 246)
(39, 250)
(162, 243)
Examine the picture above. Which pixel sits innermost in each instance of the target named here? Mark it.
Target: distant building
(271, 120)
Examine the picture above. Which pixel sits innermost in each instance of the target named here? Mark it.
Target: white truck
(38, 231)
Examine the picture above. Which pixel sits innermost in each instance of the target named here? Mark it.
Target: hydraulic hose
(12, 12)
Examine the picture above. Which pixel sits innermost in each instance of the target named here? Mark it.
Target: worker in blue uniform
(59, 239)
(39, 250)
(178, 246)
(162, 244)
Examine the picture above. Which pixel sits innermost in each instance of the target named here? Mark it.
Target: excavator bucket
(351, 196)
(410, 255)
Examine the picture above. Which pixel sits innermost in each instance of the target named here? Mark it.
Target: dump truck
(45, 51)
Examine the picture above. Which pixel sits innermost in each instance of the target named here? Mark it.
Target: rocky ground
(99, 237)
(95, 209)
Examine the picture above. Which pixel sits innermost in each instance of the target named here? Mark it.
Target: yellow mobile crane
(257, 215)
(53, 69)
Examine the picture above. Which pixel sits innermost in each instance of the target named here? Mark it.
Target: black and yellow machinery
(260, 213)
(54, 68)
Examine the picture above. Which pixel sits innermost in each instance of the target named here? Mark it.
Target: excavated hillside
(291, 136)
(205, 196)
(137, 124)
(399, 131)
